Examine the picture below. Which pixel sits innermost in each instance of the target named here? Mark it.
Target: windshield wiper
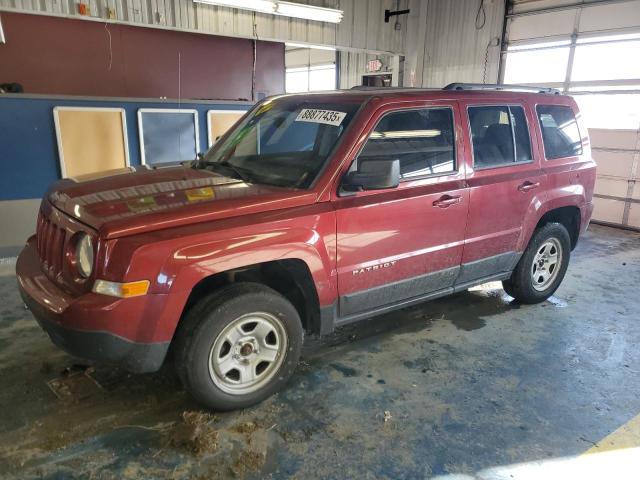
(236, 170)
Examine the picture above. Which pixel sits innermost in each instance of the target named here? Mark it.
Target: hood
(119, 203)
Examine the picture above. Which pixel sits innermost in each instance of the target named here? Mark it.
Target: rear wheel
(238, 346)
(542, 265)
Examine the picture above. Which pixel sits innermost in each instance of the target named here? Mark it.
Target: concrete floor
(469, 383)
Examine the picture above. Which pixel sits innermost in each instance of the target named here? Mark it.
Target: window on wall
(310, 79)
(603, 74)
(618, 111)
(540, 63)
(606, 60)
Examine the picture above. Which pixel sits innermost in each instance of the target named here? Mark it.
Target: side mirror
(374, 174)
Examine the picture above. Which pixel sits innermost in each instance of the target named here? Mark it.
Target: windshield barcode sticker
(328, 117)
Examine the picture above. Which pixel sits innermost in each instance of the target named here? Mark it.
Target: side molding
(386, 298)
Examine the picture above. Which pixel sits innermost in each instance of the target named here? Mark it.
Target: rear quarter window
(560, 134)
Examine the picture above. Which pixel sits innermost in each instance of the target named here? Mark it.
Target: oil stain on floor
(454, 386)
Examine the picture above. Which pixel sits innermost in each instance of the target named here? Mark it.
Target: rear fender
(567, 196)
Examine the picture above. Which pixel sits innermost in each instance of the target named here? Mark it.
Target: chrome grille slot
(39, 235)
(58, 250)
(50, 231)
(54, 230)
(50, 243)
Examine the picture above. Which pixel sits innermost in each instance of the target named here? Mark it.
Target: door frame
(473, 267)
(419, 185)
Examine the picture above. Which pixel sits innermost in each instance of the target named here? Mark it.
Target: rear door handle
(526, 186)
(446, 201)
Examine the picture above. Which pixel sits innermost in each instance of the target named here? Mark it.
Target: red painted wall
(60, 56)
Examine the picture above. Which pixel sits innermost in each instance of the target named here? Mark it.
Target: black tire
(521, 284)
(207, 320)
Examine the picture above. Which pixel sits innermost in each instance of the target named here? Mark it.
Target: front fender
(189, 265)
(175, 260)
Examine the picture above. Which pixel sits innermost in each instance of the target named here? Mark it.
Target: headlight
(84, 255)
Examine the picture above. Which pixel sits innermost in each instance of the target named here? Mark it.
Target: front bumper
(87, 326)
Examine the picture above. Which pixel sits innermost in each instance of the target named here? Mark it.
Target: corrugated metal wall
(439, 37)
(362, 27)
(448, 41)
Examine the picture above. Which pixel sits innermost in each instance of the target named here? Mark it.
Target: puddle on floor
(346, 371)
(557, 302)
(468, 323)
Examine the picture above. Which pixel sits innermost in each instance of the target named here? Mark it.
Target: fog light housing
(121, 290)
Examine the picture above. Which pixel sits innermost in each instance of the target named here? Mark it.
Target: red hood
(121, 203)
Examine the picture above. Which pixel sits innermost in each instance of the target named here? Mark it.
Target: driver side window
(422, 139)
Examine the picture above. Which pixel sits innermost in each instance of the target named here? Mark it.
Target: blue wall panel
(28, 149)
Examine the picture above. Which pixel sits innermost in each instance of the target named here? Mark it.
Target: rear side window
(500, 136)
(422, 140)
(560, 133)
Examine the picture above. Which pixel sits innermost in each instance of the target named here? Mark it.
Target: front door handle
(446, 201)
(526, 186)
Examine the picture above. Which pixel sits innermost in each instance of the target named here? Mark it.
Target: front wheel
(542, 265)
(238, 346)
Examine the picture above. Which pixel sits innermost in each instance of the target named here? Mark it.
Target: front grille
(51, 240)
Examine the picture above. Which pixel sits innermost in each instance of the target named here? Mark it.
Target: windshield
(283, 142)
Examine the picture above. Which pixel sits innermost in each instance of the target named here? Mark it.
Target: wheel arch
(568, 216)
(566, 213)
(290, 277)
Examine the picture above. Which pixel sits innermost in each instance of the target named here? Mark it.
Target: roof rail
(495, 86)
(390, 88)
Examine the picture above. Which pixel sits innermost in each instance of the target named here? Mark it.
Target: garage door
(590, 51)
(617, 196)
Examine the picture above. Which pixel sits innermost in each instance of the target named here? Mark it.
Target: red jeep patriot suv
(313, 211)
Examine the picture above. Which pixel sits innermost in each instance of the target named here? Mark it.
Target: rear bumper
(585, 213)
(81, 325)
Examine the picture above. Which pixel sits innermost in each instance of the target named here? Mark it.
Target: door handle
(446, 201)
(526, 186)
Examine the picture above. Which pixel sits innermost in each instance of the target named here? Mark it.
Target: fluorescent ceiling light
(309, 12)
(287, 9)
(264, 6)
